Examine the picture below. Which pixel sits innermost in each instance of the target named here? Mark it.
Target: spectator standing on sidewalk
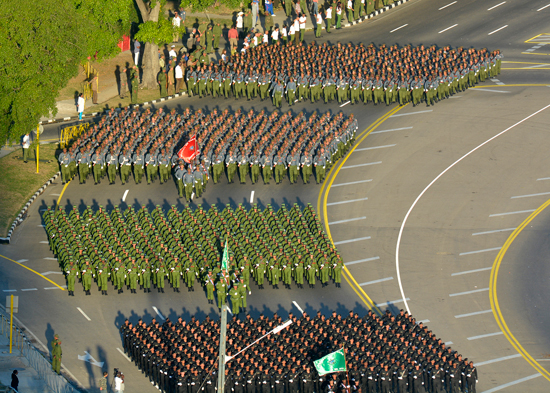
(56, 356)
(269, 7)
(233, 35)
(255, 7)
(26, 144)
(176, 25)
(14, 380)
(80, 106)
(137, 47)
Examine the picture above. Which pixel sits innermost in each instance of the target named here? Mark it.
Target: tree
(42, 45)
(154, 31)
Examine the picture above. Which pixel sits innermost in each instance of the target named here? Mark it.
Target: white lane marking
(393, 129)
(361, 261)
(546, 6)
(83, 313)
(375, 147)
(492, 91)
(530, 195)
(423, 321)
(508, 213)
(468, 292)
(29, 289)
(252, 196)
(412, 113)
(499, 29)
(44, 242)
(431, 183)
(347, 220)
(123, 354)
(47, 288)
(22, 260)
(55, 194)
(351, 183)
(543, 178)
(47, 273)
(360, 165)
(391, 302)
(124, 196)
(9, 290)
(376, 281)
(448, 28)
(352, 240)
(484, 336)
(344, 104)
(445, 6)
(50, 259)
(298, 307)
(89, 358)
(495, 6)
(535, 66)
(471, 271)
(506, 385)
(449, 343)
(456, 97)
(350, 201)
(517, 355)
(480, 251)
(41, 226)
(495, 231)
(471, 314)
(400, 27)
(158, 313)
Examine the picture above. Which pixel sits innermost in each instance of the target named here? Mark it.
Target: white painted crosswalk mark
(350, 201)
(448, 28)
(352, 240)
(347, 220)
(361, 165)
(361, 261)
(83, 313)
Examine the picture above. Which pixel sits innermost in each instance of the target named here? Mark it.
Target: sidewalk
(66, 109)
(29, 381)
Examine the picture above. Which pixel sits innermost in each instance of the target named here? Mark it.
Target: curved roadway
(448, 245)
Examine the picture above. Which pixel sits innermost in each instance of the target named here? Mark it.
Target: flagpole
(346, 365)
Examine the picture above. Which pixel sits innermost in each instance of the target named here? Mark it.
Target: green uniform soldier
(235, 299)
(162, 82)
(221, 290)
(135, 85)
(87, 274)
(244, 291)
(217, 32)
(210, 287)
(179, 174)
(102, 278)
(56, 356)
(64, 161)
(145, 276)
(299, 272)
(72, 274)
(160, 273)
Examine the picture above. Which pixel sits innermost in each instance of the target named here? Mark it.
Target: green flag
(332, 363)
(225, 258)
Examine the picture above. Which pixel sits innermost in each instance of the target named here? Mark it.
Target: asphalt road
(446, 249)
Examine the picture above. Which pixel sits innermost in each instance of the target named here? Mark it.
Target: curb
(356, 22)
(22, 214)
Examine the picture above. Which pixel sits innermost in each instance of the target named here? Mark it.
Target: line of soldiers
(146, 143)
(136, 248)
(383, 354)
(346, 72)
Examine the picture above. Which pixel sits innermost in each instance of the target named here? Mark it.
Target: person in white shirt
(265, 39)
(328, 17)
(318, 23)
(350, 11)
(240, 24)
(297, 29)
(26, 143)
(339, 15)
(119, 381)
(284, 34)
(302, 21)
(176, 23)
(291, 32)
(80, 104)
(179, 77)
(173, 54)
(275, 35)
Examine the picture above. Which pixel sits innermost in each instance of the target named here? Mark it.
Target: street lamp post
(224, 358)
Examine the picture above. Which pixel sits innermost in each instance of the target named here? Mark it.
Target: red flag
(189, 151)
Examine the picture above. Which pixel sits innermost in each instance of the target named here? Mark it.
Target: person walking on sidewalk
(14, 380)
(26, 144)
(80, 106)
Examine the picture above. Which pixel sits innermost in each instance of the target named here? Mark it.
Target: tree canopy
(41, 46)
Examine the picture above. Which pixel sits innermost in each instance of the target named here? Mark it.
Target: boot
(158, 290)
(144, 290)
(105, 293)
(149, 290)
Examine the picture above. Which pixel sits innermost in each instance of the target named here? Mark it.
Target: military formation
(136, 249)
(383, 354)
(345, 72)
(251, 144)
